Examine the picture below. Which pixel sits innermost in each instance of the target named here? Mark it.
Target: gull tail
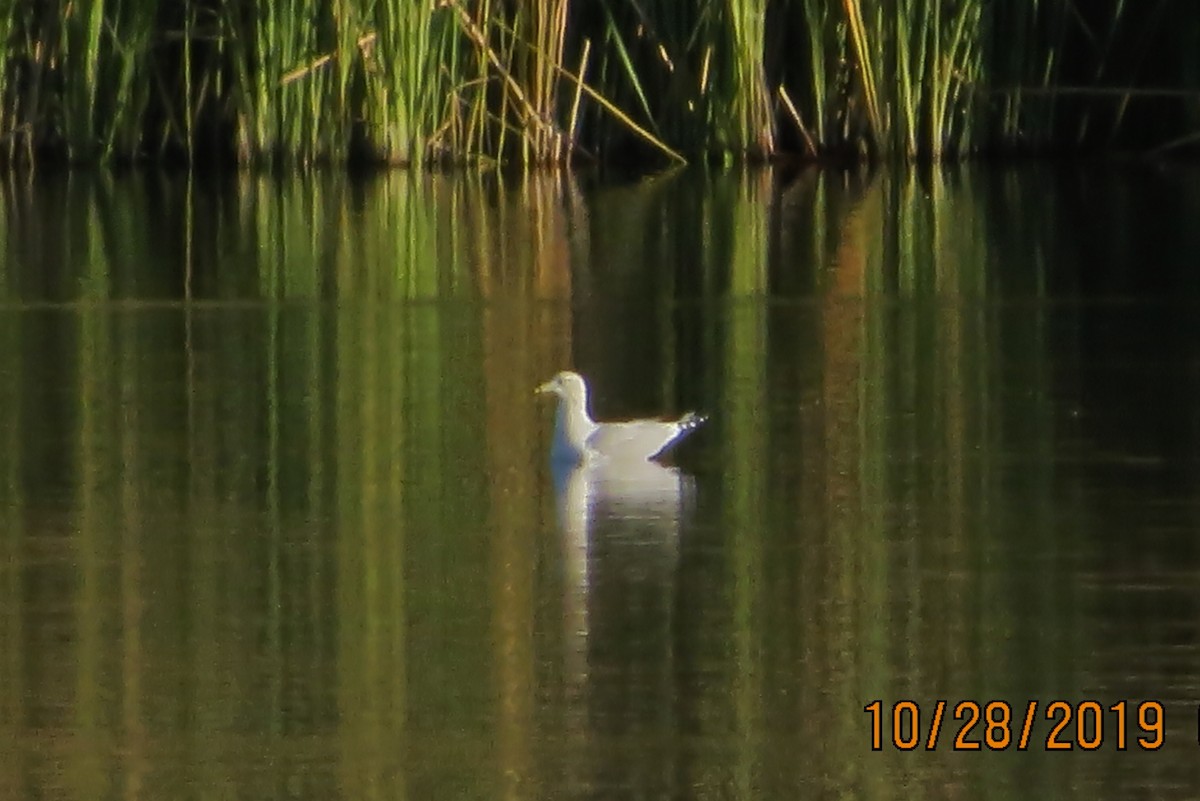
(683, 427)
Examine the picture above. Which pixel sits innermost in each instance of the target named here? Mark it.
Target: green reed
(1025, 54)
(918, 65)
(400, 101)
(97, 56)
(744, 90)
(293, 82)
(691, 74)
(79, 50)
(10, 121)
(808, 81)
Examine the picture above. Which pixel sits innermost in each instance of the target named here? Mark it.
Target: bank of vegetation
(289, 82)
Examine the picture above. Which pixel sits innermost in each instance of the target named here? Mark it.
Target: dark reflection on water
(276, 518)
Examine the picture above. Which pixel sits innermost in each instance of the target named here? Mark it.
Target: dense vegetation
(536, 81)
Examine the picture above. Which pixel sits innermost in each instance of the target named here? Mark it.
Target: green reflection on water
(276, 514)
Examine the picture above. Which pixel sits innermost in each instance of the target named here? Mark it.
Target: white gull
(579, 440)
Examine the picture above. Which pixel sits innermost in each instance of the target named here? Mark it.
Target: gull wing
(640, 439)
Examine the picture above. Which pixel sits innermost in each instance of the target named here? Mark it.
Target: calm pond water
(276, 518)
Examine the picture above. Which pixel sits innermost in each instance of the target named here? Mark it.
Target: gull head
(568, 386)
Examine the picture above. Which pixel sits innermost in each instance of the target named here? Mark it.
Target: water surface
(276, 518)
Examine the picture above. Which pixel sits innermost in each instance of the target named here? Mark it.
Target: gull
(580, 440)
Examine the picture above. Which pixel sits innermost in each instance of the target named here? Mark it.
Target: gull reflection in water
(621, 519)
(622, 498)
(621, 526)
